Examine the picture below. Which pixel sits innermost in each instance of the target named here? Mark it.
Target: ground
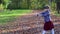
(29, 24)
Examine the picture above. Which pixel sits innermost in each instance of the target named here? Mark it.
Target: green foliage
(57, 0)
(17, 4)
(27, 4)
(37, 4)
(1, 1)
(53, 6)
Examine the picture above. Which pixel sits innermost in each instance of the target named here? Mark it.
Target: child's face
(45, 10)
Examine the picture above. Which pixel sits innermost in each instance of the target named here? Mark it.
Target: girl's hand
(37, 15)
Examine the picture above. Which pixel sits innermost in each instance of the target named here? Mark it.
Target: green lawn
(9, 16)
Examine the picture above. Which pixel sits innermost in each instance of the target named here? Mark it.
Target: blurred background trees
(24, 4)
(18, 4)
(2, 3)
(27, 4)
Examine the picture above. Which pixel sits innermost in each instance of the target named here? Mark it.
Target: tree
(2, 2)
(58, 6)
(18, 4)
(27, 4)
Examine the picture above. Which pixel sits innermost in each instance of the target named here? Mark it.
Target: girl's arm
(38, 14)
(50, 15)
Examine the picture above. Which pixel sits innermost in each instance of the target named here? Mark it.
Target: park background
(11, 10)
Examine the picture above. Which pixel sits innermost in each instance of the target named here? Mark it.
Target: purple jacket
(46, 15)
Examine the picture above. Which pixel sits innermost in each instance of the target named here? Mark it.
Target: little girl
(48, 25)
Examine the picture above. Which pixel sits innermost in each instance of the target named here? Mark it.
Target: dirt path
(29, 24)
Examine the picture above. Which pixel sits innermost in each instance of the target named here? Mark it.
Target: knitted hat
(46, 7)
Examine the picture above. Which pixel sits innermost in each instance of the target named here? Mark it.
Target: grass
(9, 16)
(6, 19)
(14, 12)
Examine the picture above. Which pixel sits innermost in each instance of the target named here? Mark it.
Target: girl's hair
(46, 7)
